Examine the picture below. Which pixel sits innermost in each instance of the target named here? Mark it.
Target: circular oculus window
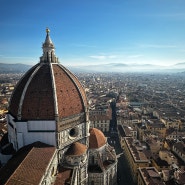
(73, 133)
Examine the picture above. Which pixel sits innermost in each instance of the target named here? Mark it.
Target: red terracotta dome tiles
(68, 95)
(16, 96)
(82, 91)
(38, 102)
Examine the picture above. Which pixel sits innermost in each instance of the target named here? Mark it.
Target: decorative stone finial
(47, 30)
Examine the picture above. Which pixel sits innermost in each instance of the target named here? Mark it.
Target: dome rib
(24, 92)
(54, 92)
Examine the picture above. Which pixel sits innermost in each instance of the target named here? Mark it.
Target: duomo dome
(48, 104)
(48, 130)
(48, 91)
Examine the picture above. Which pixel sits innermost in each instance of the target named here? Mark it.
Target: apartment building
(135, 155)
(149, 175)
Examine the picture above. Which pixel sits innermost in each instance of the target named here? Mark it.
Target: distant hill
(14, 68)
(121, 67)
(110, 67)
(180, 64)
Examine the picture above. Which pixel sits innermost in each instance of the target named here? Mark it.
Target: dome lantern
(48, 50)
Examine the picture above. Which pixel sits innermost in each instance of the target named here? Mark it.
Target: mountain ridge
(109, 67)
(17, 67)
(122, 67)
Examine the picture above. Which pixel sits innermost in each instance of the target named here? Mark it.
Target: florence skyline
(93, 32)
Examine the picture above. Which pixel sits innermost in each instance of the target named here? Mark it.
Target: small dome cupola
(48, 50)
(96, 139)
(76, 154)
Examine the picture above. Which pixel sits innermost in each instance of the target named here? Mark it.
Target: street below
(123, 171)
(124, 176)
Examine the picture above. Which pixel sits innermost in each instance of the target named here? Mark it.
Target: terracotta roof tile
(151, 176)
(64, 176)
(33, 167)
(16, 161)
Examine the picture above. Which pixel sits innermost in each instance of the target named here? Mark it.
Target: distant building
(179, 149)
(149, 175)
(155, 126)
(168, 157)
(135, 156)
(100, 118)
(172, 123)
(128, 131)
(176, 135)
(154, 144)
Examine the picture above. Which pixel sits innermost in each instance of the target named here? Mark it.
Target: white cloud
(134, 56)
(99, 57)
(103, 57)
(112, 56)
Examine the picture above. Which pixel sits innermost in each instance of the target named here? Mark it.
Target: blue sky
(89, 32)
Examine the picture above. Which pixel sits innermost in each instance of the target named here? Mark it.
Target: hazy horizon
(109, 67)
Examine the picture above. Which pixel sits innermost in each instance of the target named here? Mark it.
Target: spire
(48, 50)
